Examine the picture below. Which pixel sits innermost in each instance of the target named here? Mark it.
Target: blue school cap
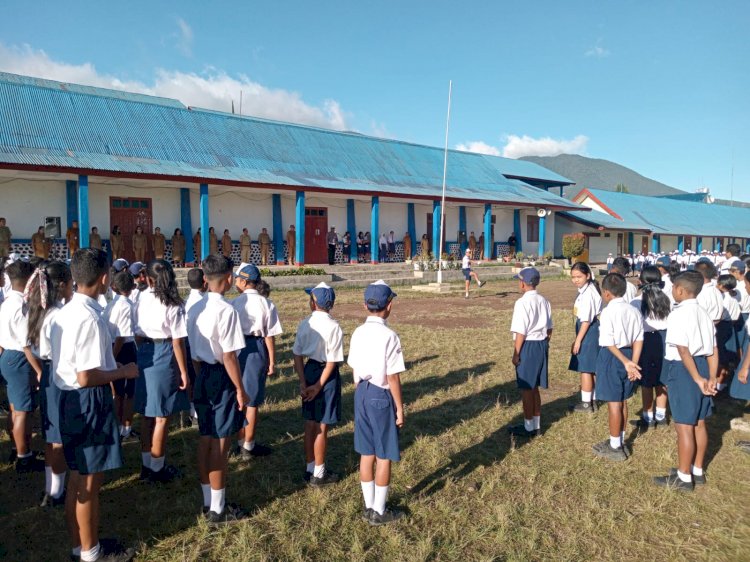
(323, 295)
(704, 259)
(664, 261)
(136, 268)
(739, 265)
(378, 295)
(529, 275)
(248, 272)
(120, 264)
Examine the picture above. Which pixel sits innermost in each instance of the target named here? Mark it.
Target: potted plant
(573, 245)
(547, 257)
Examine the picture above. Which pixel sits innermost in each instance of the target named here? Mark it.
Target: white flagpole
(442, 202)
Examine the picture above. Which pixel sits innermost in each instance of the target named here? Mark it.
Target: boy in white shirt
(531, 326)
(468, 273)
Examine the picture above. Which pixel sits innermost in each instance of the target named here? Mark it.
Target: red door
(316, 228)
(128, 213)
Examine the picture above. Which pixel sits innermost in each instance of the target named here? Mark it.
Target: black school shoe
(145, 475)
(259, 450)
(584, 407)
(388, 516)
(49, 501)
(165, 475)
(307, 476)
(606, 451)
(673, 482)
(644, 424)
(366, 514)
(697, 480)
(325, 480)
(521, 431)
(29, 464)
(230, 514)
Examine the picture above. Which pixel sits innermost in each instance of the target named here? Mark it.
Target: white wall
(26, 203)
(591, 204)
(668, 243)
(393, 216)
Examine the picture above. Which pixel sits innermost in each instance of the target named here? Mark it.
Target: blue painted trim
(655, 243)
(699, 244)
(278, 229)
(375, 230)
(186, 224)
(411, 226)
(488, 231)
(462, 227)
(299, 227)
(83, 211)
(517, 229)
(205, 246)
(351, 226)
(542, 235)
(631, 243)
(747, 247)
(437, 251)
(681, 244)
(71, 202)
(717, 245)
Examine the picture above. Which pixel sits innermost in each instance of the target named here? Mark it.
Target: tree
(573, 245)
(621, 188)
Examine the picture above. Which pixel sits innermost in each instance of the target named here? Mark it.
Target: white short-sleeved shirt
(375, 352)
(668, 287)
(731, 310)
(532, 316)
(194, 297)
(727, 264)
(157, 321)
(631, 291)
(465, 262)
(214, 329)
(320, 337)
(620, 324)
(119, 315)
(588, 303)
(45, 334)
(80, 341)
(135, 295)
(744, 297)
(689, 325)
(711, 300)
(650, 324)
(14, 322)
(256, 315)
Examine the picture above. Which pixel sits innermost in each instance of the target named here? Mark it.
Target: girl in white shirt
(585, 348)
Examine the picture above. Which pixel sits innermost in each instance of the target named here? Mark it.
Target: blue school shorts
(375, 430)
(49, 405)
(612, 383)
(532, 371)
(737, 389)
(726, 341)
(21, 380)
(467, 273)
(215, 400)
(585, 361)
(190, 367)
(687, 402)
(326, 406)
(652, 359)
(157, 389)
(89, 430)
(254, 368)
(128, 354)
(740, 332)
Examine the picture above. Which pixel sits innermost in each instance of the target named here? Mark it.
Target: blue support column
(717, 245)
(488, 231)
(205, 247)
(655, 243)
(375, 230)
(437, 251)
(462, 227)
(299, 228)
(83, 211)
(630, 243)
(186, 224)
(351, 226)
(699, 244)
(517, 229)
(747, 246)
(278, 230)
(680, 244)
(71, 203)
(411, 226)
(542, 235)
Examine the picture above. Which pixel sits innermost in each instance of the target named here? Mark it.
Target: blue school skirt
(215, 400)
(532, 371)
(326, 406)
(128, 354)
(254, 368)
(652, 359)
(585, 361)
(686, 401)
(375, 430)
(49, 405)
(612, 382)
(726, 340)
(21, 380)
(89, 430)
(157, 392)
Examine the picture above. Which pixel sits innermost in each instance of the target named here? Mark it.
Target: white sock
(47, 479)
(368, 491)
(193, 413)
(249, 445)
(206, 491)
(91, 555)
(381, 494)
(648, 415)
(695, 470)
(537, 422)
(57, 485)
(615, 442)
(684, 477)
(319, 470)
(585, 396)
(217, 500)
(661, 413)
(146, 459)
(157, 463)
(528, 425)
(24, 456)
(310, 466)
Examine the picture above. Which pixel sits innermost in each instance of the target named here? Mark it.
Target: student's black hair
(707, 269)
(674, 269)
(747, 275)
(728, 283)
(692, 281)
(733, 249)
(215, 267)
(195, 278)
(621, 265)
(19, 271)
(57, 275)
(165, 283)
(615, 283)
(123, 282)
(263, 288)
(87, 266)
(654, 302)
(584, 268)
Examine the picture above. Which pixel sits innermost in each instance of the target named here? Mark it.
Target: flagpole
(442, 201)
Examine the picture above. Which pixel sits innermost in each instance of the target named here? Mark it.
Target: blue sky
(661, 87)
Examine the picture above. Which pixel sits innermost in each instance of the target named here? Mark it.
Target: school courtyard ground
(472, 493)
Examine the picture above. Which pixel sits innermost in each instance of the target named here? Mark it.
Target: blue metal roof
(667, 216)
(46, 125)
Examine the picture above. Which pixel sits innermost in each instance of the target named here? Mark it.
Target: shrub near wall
(573, 245)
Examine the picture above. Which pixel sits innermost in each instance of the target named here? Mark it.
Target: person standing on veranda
(291, 244)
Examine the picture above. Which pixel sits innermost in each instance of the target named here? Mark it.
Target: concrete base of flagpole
(433, 288)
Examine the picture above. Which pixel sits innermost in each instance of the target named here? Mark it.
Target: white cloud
(480, 147)
(184, 39)
(528, 146)
(211, 89)
(597, 51)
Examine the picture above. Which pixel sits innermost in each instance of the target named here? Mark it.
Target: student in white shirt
(198, 290)
(732, 257)
(709, 297)
(531, 327)
(741, 327)
(739, 388)
(726, 337)
(621, 266)
(663, 264)
(610, 261)
(468, 273)
(138, 271)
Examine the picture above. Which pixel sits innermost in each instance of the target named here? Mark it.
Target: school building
(106, 158)
(621, 223)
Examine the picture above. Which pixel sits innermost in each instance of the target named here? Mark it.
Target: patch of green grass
(471, 491)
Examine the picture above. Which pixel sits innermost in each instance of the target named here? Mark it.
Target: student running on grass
(468, 273)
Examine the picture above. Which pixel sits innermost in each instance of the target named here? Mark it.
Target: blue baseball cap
(739, 265)
(664, 261)
(704, 260)
(136, 267)
(323, 295)
(248, 272)
(378, 295)
(529, 275)
(120, 264)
